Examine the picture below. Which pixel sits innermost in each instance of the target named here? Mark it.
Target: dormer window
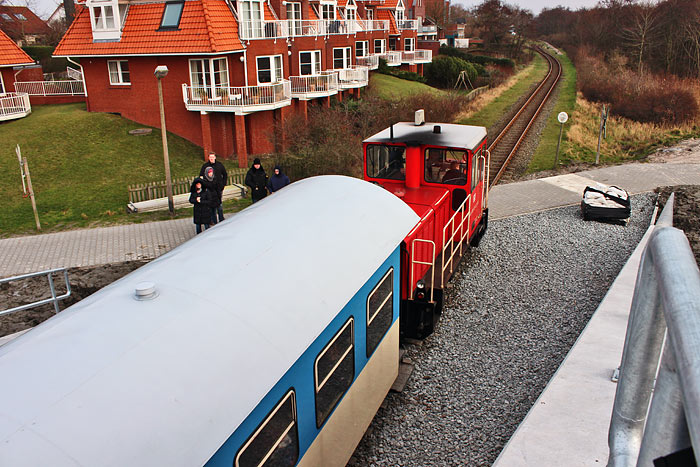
(328, 11)
(103, 17)
(171, 15)
(107, 17)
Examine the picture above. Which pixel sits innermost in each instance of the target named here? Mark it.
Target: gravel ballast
(512, 312)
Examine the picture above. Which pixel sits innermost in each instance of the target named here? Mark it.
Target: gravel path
(514, 308)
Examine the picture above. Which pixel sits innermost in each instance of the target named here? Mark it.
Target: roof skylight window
(6, 17)
(171, 15)
(20, 17)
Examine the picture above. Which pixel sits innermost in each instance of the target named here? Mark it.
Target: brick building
(22, 25)
(236, 67)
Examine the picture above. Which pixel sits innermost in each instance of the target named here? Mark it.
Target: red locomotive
(441, 171)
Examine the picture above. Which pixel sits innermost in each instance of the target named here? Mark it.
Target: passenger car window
(276, 441)
(385, 161)
(334, 371)
(380, 311)
(446, 166)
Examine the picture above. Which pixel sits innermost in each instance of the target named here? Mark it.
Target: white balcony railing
(14, 105)
(74, 74)
(249, 30)
(423, 56)
(356, 76)
(312, 86)
(393, 58)
(51, 88)
(407, 24)
(370, 61)
(239, 99)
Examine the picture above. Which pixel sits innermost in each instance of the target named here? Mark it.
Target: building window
(171, 15)
(334, 371)
(20, 17)
(379, 46)
(209, 77)
(370, 14)
(445, 166)
(6, 17)
(328, 11)
(392, 43)
(399, 16)
(276, 441)
(361, 48)
(251, 18)
(310, 63)
(408, 44)
(270, 69)
(103, 16)
(380, 311)
(341, 58)
(351, 14)
(118, 72)
(2, 86)
(294, 17)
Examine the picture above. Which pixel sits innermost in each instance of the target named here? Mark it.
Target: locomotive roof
(117, 381)
(451, 135)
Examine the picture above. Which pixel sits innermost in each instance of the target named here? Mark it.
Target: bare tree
(642, 30)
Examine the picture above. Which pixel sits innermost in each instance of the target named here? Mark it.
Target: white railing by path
(355, 77)
(51, 88)
(370, 61)
(423, 56)
(250, 30)
(74, 74)
(14, 105)
(407, 24)
(310, 86)
(237, 98)
(393, 58)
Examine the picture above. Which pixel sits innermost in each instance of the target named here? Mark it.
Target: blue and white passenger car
(271, 339)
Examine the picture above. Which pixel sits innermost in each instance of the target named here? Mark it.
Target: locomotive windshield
(385, 161)
(448, 166)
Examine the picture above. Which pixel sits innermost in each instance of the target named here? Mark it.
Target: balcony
(407, 24)
(14, 105)
(356, 76)
(313, 86)
(370, 61)
(240, 100)
(393, 58)
(427, 29)
(251, 30)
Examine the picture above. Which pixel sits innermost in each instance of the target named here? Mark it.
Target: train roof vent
(437, 129)
(145, 291)
(419, 117)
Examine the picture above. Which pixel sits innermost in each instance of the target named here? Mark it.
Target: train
(269, 340)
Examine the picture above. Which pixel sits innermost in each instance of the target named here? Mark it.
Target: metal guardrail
(665, 306)
(154, 190)
(51, 88)
(54, 298)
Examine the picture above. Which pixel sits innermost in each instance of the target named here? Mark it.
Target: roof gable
(11, 54)
(15, 25)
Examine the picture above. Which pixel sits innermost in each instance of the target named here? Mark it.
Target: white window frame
(406, 46)
(347, 57)
(211, 78)
(362, 50)
(369, 13)
(2, 86)
(98, 20)
(351, 13)
(120, 73)
(319, 385)
(375, 290)
(383, 46)
(294, 18)
(315, 62)
(328, 9)
(274, 79)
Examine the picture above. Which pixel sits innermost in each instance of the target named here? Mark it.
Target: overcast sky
(45, 7)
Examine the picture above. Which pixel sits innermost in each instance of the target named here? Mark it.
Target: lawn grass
(81, 164)
(393, 88)
(543, 158)
(491, 113)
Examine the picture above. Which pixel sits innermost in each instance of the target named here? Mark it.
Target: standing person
(203, 199)
(211, 184)
(278, 180)
(220, 179)
(256, 179)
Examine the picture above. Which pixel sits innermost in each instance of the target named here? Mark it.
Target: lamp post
(162, 72)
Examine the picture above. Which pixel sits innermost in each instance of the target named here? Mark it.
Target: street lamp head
(161, 71)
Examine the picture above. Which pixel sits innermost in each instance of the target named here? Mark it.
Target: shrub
(411, 76)
(479, 59)
(444, 71)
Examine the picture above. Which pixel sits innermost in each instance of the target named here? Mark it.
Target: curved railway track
(506, 144)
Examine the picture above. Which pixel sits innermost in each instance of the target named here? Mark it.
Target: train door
(477, 187)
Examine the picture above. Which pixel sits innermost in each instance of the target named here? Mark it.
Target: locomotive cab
(440, 170)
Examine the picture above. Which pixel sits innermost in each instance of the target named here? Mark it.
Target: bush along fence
(154, 190)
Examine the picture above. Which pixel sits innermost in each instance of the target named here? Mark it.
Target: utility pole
(162, 72)
(601, 131)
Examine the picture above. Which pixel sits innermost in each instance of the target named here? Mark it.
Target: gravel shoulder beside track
(513, 310)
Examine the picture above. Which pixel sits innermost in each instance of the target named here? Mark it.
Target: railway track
(506, 144)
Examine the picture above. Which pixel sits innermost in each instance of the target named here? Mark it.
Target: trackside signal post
(562, 117)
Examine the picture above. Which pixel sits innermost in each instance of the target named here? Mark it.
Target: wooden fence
(154, 190)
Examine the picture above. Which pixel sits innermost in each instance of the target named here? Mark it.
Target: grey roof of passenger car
(451, 135)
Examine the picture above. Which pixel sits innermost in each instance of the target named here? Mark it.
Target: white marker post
(562, 117)
(21, 168)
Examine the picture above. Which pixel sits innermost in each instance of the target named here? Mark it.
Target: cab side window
(447, 166)
(386, 161)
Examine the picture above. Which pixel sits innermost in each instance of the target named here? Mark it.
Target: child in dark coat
(203, 199)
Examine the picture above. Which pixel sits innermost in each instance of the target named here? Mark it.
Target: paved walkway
(89, 247)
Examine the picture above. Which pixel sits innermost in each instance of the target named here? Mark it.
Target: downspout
(82, 73)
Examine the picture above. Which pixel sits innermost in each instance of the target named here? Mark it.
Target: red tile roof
(10, 53)
(15, 27)
(383, 14)
(206, 26)
(268, 14)
(389, 5)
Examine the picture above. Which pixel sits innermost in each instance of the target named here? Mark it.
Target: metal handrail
(465, 217)
(431, 263)
(666, 304)
(54, 298)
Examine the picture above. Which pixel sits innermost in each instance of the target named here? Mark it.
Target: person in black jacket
(203, 199)
(256, 179)
(220, 181)
(278, 180)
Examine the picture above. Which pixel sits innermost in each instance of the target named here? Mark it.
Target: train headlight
(420, 284)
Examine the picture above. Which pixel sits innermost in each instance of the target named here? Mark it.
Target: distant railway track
(504, 147)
